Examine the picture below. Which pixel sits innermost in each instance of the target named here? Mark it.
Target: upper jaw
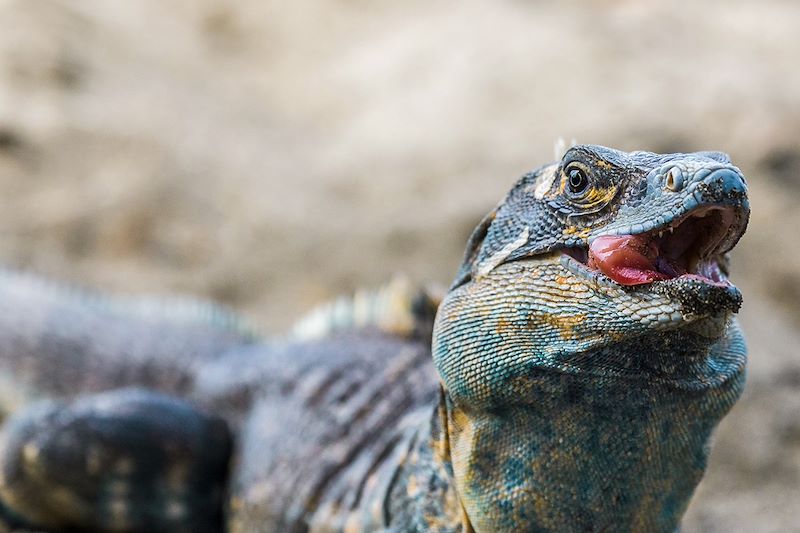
(679, 190)
(688, 217)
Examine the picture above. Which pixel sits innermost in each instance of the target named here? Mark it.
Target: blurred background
(271, 155)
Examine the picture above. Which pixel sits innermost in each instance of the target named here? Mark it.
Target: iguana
(579, 363)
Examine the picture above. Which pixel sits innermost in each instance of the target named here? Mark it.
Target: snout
(723, 186)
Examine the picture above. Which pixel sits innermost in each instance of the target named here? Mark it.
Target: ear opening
(474, 244)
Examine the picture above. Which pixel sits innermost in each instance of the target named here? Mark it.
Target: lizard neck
(586, 454)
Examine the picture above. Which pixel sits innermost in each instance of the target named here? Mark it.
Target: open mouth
(690, 247)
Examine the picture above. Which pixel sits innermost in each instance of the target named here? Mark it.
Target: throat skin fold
(577, 455)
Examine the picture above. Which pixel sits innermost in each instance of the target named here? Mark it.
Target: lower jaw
(699, 295)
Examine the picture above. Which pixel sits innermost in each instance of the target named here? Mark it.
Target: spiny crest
(560, 147)
(398, 308)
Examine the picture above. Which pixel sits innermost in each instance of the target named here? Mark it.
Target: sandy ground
(273, 154)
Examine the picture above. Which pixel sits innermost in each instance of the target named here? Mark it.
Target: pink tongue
(627, 259)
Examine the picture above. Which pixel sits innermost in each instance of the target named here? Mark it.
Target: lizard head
(602, 252)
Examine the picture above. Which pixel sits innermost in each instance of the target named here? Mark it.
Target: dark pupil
(577, 180)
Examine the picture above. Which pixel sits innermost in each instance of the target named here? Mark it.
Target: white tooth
(671, 229)
(660, 233)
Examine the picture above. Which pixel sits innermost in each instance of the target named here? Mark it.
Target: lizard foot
(125, 461)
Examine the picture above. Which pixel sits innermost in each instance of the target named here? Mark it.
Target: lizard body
(581, 359)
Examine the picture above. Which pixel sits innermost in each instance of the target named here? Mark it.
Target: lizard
(569, 380)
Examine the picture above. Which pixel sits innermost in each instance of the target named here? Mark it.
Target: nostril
(674, 180)
(727, 180)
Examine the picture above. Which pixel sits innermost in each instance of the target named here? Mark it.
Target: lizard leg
(128, 460)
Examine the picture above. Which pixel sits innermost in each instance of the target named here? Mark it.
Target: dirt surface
(273, 154)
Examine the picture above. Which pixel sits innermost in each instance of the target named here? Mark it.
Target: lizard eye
(576, 179)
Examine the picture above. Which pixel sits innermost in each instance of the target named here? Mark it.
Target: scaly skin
(564, 401)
